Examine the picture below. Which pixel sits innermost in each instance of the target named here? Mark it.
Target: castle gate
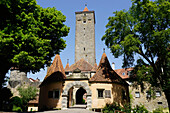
(84, 85)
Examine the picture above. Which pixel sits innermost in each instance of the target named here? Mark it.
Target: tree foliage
(27, 94)
(143, 30)
(29, 35)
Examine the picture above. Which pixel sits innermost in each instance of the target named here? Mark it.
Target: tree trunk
(167, 95)
(3, 72)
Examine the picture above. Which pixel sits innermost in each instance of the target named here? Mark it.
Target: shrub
(15, 108)
(16, 101)
(158, 110)
(83, 101)
(140, 109)
(110, 108)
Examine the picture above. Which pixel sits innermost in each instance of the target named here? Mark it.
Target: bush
(114, 107)
(15, 108)
(158, 110)
(110, 108)
(83, 101)
(16, 101)
(140, 109)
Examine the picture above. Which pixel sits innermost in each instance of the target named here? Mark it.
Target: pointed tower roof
(56, 66)
(82, 65)
(85, 9)
(105, 73)
(67, 68)
(94, 68)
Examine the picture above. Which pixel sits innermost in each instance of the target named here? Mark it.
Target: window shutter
(107, 94)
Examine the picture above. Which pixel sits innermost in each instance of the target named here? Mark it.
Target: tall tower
(85, 36)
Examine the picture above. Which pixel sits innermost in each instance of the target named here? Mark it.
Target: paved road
(69, 111)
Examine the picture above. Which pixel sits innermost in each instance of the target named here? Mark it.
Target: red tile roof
(94, 67)
(82, 65)
(105, 73)
(67, 68)
(85, 9)
(123, 73)
(56, 66)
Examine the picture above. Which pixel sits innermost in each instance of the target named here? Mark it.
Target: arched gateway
(84, 85)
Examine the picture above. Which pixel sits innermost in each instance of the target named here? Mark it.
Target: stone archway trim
(79, 83)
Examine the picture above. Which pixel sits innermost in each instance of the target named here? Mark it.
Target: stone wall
(150, 103)
(18, 79)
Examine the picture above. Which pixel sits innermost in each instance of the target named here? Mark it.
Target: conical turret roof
(105, 73)
(56, 66)
(85, 9)
(67, 68)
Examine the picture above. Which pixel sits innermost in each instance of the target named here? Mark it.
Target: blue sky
(103, 9)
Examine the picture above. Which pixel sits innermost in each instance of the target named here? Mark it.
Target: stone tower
(85, 36)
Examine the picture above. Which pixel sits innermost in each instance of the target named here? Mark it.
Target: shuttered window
(100, 93)
(54, 94)
(107, 94)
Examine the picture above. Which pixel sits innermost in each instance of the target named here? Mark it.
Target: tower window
(84, 28)
(84, 21)
(84, 48)
(84, 34)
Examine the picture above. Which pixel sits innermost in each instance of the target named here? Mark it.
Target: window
(137, 94)
(107, 94)
(84, 14)
(100, 93)
(123, 73)
(84, 48)
(159, 102)
(158, 93)
(54, 94)
(84, 21)
(148, 94)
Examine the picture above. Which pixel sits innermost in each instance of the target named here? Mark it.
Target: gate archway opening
(81, 96)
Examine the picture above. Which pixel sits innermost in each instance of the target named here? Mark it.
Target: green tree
(29, 35)
(26, 95)
(143, 30)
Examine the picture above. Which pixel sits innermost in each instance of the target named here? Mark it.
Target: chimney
(113, 65)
